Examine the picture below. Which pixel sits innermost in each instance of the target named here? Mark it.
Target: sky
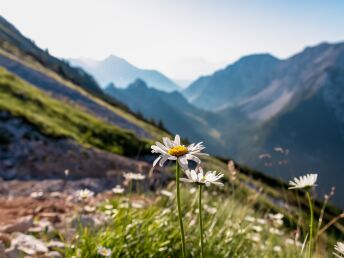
(182, 38)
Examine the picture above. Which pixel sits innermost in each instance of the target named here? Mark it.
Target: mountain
(285, 117)
(229, 86)
(122, 73)
(171, 108)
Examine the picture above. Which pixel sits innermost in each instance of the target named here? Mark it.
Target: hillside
(122, 73)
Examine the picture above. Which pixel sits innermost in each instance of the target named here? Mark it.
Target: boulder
(28, 244)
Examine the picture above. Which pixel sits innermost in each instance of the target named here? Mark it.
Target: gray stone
(28, 244)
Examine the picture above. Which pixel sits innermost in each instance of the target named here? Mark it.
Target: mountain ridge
(122, 73)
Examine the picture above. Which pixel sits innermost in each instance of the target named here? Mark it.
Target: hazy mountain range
(116, 70)
(285, 117)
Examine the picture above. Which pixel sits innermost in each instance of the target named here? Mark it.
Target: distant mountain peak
(122, 73)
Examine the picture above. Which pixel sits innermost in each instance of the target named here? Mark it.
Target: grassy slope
(59, 119)
(15, 54)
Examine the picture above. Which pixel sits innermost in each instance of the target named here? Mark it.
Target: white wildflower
(261, 221)
(257, 228)
(133, 176)
(166, 193)
(277, 249)
(210, 210)
(339, 249)
(198, 176)
(275, 231)
(250, 219)
(83, 194)
(118, 189)
(174, 150)
(306, 181)
(104, 251)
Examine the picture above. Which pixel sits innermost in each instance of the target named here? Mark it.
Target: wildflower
(277, 249)
(339, 249)
(166, 193)
(174, 150)
(275, 231)
(108, 207)
(255, 238)
(194, 176)
(257, 228)
(210, 210)
(276, 216)
(104, 251)
(306, 181)
(89, 208)
(83, 194)
(261, 221)
(134, 176)
(118, 189)
(138, 205)
(250, 219)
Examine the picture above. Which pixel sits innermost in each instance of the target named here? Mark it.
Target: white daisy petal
(156, 161)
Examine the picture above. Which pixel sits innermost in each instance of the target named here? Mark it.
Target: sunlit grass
(231, 229)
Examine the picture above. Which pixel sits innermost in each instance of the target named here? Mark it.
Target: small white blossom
(174, 150)
(104, 251)
(118, 189)
(306, 181)
(83, 194)
(166, 193)
(198, 176)
(277, 248)
(339, 249)
(134, 176)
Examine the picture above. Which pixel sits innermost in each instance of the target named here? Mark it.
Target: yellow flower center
(178, 151)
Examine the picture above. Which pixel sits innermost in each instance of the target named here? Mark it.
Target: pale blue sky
(182, 38)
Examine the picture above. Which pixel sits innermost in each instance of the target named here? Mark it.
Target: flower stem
(180, 210)
(200, 218)
(310, 243)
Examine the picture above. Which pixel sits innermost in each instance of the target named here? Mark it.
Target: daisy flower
(174, 150)
(306, 181)
(339, 249)
(83, 194)
(118, 189)
(133, 176)
(197, 176)
(104, 251)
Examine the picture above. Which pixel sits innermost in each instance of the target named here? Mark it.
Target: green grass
(16, 54)
(154, 232)
(60, 119)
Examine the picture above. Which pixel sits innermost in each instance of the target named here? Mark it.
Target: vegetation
(232, 228)
(60, 119)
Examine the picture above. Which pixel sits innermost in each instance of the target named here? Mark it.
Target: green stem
(200, 218)
(180, 210)
(310, 243)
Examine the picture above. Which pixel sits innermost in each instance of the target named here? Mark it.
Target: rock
(5, 238)
(53, 254)
(51, 216)
(28, 244)
(21, 225)
(12, 253)
(42, 226)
